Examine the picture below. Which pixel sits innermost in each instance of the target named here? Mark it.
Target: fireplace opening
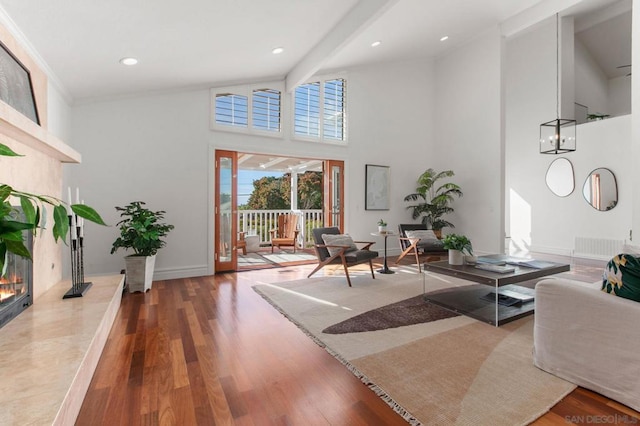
(16, 286)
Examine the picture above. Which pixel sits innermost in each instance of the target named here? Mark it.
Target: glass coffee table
(498, 300)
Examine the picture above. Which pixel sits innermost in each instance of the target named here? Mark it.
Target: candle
(73, 227)
(81, 224)
(77, 195)
(69, 199)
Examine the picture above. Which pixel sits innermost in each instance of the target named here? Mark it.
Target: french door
(333, 179)
(226, 213)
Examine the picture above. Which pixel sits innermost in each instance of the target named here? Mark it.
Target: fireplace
(16, 291)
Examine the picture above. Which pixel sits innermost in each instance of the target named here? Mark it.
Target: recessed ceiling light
(277, 50)
(444, 38)
(128, 61)
(376, 43)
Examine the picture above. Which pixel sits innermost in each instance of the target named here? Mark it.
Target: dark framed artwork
(377, 187)
(15, 85)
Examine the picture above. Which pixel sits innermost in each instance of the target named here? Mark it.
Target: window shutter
(334, 108)
(266, 110)
(231, 110)
(307, 110)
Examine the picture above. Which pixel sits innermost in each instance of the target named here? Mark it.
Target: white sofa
(589, 338)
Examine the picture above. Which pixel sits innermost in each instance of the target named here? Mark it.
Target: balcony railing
(260, 222)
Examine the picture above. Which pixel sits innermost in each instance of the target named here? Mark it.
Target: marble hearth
(49, 353)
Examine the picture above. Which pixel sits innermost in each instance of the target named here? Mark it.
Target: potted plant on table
(434, 200)
(142, 231)
(457, 246)
(382, 226)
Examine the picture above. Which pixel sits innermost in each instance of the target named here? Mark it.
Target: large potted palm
(434, 199)
(142, 231)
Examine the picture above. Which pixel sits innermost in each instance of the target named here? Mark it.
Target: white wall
(539, 220)
(59, 114)
(152, 149)
(158, 149)
(592, 85)
(619, 96)
(469, 137)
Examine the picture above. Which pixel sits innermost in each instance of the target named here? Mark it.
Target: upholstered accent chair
(286, 234)
(343, 251)
(414, 239)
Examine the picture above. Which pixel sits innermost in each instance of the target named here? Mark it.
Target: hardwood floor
(209, 350)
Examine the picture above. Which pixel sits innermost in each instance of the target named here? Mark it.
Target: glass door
(334, 193)
(226, 214)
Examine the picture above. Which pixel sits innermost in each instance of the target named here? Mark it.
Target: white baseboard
(183, 272)
(552, 250)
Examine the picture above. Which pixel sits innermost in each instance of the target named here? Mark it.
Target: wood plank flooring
(210, 351)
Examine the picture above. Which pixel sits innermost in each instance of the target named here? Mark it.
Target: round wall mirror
(601, 190)
(560, 178)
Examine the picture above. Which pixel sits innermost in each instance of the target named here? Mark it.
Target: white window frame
(247, 90)
(321, 139)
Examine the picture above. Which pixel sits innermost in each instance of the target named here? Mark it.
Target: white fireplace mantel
(21, 129)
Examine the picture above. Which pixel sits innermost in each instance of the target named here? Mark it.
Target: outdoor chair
(342, 252)
(242, 243)
(286, 234)
(415, 238)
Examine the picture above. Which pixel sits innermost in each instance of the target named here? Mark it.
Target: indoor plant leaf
(60, 222)
(88, 213)
(8, 152)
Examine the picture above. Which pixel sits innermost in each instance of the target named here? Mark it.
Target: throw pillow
(622, 277)
(338, 240)
(423, 234)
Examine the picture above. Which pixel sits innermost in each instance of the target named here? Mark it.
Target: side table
(385, 269)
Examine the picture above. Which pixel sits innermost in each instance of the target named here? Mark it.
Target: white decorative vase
(456, 257)
(382, 229)
(139, 272)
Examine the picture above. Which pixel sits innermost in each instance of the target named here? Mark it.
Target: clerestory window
(247, 108)
(320, 110)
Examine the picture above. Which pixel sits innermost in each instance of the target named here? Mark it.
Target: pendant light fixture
(558, 136)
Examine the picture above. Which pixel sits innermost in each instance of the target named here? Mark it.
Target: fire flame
(8, 293)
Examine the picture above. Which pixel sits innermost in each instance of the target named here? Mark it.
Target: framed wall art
(15, 85)
(377, 187)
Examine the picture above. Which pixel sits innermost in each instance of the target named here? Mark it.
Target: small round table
(385, 269)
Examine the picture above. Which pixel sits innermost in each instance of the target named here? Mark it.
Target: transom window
(247, 108)
(231, 110)
(266, 109)
(324, 99)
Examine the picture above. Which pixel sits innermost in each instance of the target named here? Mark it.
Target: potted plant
(457, 246)
(382, 226)
(142, 231)
(34, 211)
(434, 199)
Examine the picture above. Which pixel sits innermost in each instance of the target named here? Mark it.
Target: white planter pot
(382, 229)
(139, 272)
(456, 257)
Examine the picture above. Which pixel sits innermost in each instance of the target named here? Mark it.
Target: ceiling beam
(535, 14)
(363, 14)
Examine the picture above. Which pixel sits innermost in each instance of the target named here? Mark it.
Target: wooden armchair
(414, 245)
(346, 255)
(286, 234)
(241, 243)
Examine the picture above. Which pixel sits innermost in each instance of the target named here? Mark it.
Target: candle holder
(76, 245)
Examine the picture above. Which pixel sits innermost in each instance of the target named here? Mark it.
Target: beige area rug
(451, 371)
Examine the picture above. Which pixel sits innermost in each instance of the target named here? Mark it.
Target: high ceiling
(204, 43)
(208, 43)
